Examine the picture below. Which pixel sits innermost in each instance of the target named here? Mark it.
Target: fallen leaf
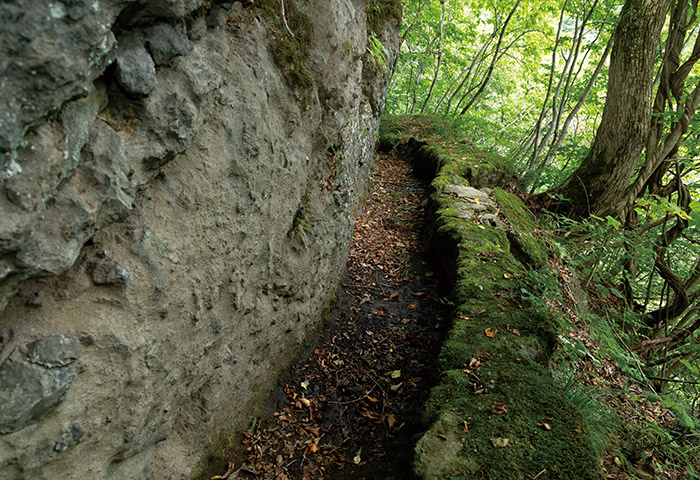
(474, 363)
(393, 296)
(305, 401)
(477, 201)
(465, 427)
(418, 294)
(429, 274)
(491, 332)
(391, 420)
(304, 384)
(499, 408)
(441, 437)
(463, 316)
(500, 442)
(380, 313)
(396, 374)
(545, 426)
(413, 306)
(311, 448)
(372, 399)
(395, 388)
(507, 275)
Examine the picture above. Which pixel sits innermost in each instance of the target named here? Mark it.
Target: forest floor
(351, 408)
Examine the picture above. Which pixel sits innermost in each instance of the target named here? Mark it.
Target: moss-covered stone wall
(496, 412)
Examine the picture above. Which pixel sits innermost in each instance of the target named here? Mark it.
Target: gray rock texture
(175, 216)
(34, 379)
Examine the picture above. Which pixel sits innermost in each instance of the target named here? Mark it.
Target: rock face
(175, 214)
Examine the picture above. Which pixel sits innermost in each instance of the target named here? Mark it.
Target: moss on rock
(379, 12)
(291, 51)
(496, 411)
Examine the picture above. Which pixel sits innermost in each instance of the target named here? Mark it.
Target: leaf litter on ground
(350, 409)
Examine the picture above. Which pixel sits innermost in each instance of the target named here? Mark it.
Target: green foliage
(602, 423)
(377, 52)
(502, 117)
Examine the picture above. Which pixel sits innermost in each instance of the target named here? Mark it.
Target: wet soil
(351, 409)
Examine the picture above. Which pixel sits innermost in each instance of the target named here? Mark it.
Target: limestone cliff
(177, 187)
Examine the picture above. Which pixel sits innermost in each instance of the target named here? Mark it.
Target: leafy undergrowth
(351, 408)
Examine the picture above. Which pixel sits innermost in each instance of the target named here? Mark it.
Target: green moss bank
(496, 413)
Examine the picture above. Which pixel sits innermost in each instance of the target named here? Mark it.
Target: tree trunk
(598, 184)
(439, 59)
(496, 56)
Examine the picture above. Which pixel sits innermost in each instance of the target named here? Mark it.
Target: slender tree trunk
(587, 90)
(466, 74)
(596, 185)
(439, 59)
(414, 22)
(496, 56)
(552, 72)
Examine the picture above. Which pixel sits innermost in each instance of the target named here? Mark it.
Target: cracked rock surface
(175, 217)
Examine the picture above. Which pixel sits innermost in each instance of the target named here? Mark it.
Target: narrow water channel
(351, 409)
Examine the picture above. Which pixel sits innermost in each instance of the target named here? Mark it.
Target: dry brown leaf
(545, 426)
(491, 332)
(465, 427)
(413, 306)
(311, 448)
(391, 420)
(514, 331)
(499, 408)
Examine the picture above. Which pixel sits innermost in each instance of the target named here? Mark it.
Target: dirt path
(350, 410)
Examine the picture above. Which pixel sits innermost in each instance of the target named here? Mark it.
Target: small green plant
(378, 52)
(601, 422)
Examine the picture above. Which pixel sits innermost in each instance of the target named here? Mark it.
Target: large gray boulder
(175, 215)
